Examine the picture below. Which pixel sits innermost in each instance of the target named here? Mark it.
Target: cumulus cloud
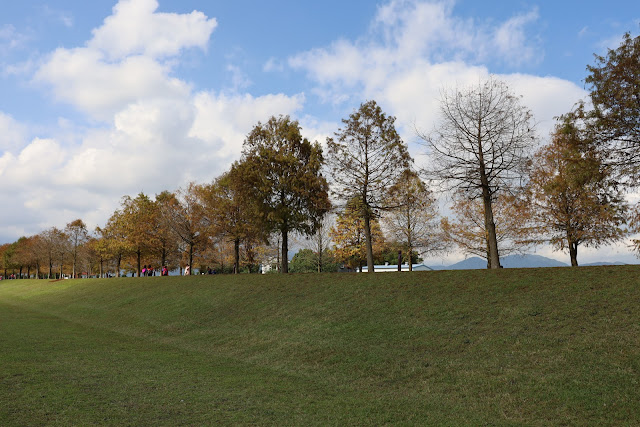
(147, 131)
(83, 78)
(12, 133)
(135, 28)
(415, 49)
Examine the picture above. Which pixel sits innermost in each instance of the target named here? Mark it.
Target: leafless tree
(481, 146)
(320, 241)
(182, 214)
(413, 223)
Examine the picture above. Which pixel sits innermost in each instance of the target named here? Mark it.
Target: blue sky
(105, 98)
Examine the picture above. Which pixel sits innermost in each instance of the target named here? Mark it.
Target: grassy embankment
(508, 347)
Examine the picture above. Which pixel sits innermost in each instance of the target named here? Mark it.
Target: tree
(77, 232)
(481, 146)
(573, 196)
(413, 223)
(320, 243)
(366, 158)
(306, 261)
(468, 229)
(54, 244)
(26, 254)
(614, 82)
(4, 249)
(230, 213)
(114, 240)
(348, 234)
(166, 242)
(139, 219)
(281, 172)
(183, 215)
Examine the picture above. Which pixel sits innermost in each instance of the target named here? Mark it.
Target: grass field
(509, 347)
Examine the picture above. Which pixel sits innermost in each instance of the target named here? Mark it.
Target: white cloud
(273, 64)
(10, 38)
(224, 120)
(239, 79)
(415, 49)
(135, 28)
(511, 40)
(100, 89)
(154, 133)
(123, 62)
(12, 133)
(65, 18)
(406, 32)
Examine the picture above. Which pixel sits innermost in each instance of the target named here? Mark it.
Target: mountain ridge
(514, 261)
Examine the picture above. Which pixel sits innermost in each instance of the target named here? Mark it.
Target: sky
(108, 98)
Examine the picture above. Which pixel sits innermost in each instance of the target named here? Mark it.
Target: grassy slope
(538, 346)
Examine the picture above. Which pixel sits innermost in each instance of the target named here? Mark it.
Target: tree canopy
(366, 158)
(572, 196)
(614, 83)
(481, 146)
(281, 172)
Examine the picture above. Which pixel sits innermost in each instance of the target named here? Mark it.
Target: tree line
(507, 195)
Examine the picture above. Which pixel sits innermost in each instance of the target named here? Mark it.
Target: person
(165, 271)
(187, 270)
(150, 271)
(144, 270)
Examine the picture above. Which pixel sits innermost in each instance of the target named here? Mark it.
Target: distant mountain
(511, 261)
(530, 261)
(602, 263)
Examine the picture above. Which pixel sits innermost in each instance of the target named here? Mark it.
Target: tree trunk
(399, 260)
(490, 227)
(368, 243)
(236, 255)
(163, 255)
(190, 257)
(138, 256)
(573, 252)
(285, 251)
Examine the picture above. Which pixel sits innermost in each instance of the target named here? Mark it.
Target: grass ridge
(507, 347)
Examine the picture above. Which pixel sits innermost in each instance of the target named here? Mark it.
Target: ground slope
(531, 346)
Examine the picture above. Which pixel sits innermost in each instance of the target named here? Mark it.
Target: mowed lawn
(510, 347)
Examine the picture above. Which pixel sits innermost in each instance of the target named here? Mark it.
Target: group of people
(148, 271)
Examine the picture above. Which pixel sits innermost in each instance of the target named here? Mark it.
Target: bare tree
(78, 236)
(413, 223)
(481, 146)
(182, 213)
(467, 229)
(319, 242)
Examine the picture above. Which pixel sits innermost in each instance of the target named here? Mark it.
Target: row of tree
(506, 195)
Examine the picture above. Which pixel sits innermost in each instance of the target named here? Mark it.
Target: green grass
(508, 347)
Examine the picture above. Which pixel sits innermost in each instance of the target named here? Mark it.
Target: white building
(389, 268)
